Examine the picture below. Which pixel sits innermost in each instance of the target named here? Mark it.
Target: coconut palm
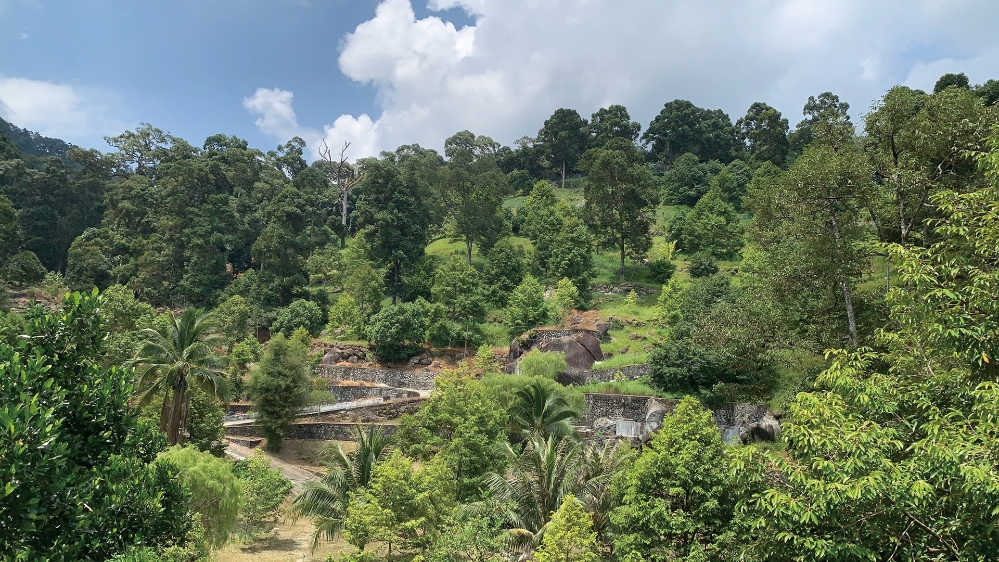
(326, 500)
(172, 358)
(538, 480)
(600, 462)
(543, 410)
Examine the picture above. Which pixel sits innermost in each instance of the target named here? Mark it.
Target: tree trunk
(468, 248)
(622, 259)
(850, 318)
(563, 174)
(395, 283)
(165, 410)
(173, 431)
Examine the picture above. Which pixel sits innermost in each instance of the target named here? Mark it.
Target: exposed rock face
(767, 429)
(581, 350)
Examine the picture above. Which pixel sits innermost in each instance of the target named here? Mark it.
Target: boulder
(767, 429)
(591, 343)
(332, 357)
(576, 356)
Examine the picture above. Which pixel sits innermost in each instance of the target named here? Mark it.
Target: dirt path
(297, 475)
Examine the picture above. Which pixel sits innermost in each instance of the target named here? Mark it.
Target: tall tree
(277, 388)
(951, 79)
(683, 127)
(620, 197)
(765, 132)
(342, 176)
(175, 356)
(472, 191)
(826, 118)
(612, 122)
(393, 214)
(563, 139)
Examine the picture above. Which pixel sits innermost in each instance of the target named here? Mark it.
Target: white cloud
(522, 59)
(24, 36)
(56, 110)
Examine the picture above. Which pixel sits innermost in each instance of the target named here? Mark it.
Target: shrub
(264, 488)
(299, 314)
(345, 318)
(24, 269)
(278, 387)
(537, 363)
(398, 331)
(703, 265)
(527, 307)
(661, 270)
(564, 300)
(215, 490)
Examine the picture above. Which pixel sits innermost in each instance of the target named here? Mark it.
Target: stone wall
(319, 431)
(352, 392)
(630, 372)
(395, 378)
(632, 407)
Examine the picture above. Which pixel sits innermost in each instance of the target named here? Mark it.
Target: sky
(382, 74)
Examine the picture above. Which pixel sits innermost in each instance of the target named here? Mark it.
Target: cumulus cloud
(56, 110)
(522, 59)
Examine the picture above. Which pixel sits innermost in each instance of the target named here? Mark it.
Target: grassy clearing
(625, 387)
(619, 361)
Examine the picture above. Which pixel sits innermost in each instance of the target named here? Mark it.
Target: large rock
(577, 349)
(332, 357)
(767, 429)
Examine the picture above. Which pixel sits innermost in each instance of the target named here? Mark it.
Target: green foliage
(702, 265)
(174, 356)
(10, 229)
(564, 299)
(398, 331)
(126, 317)
(264, 490)
(326, 266)
(402, 506)
(366, 286)
(951, 80)
(504, 270)
(277, 388)
(527, 307)
(345, 318)
(485, 362)
(688, 179)
(661, 270)
(765, 132)
(540, 409)
(463, 426)
(24, 269)
(204, 423)
(458, 287)
(70, 434)
(712, 227)
(676, 501)
(234, 316)
(537, 363)
(620, 198)
(563, 138)
(682, 127)
(243, 353)
(216, 492)
(574, 256)
(569, 535)
(542, 223)
(299, 314)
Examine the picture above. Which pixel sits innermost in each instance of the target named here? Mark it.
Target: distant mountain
(32, 143)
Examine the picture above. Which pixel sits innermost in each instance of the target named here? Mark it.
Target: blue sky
(381, 74)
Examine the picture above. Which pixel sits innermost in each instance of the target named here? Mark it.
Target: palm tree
(538, 480)
(326, 500)
(600, 462)
(172, 358)
(543, 410)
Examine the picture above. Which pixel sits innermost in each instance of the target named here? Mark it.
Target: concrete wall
(352, 392)
(322, 431)
(632, 407)
(419, 380)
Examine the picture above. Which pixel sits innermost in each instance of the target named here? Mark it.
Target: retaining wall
(632, 407)
(395, 378)
(318, 431)
(352, 392)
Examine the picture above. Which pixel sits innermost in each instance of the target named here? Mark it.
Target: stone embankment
(314, 431)
(395, 378)
(349, 391)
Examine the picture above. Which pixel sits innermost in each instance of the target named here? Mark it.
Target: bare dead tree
(342, 175)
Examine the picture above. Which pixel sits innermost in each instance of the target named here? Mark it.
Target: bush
(215, 491)
(24, 269)
(345, 318)
(299, 314)
(703, 265)
(527, 307)
(564, 300)
(398, 331)
(661, 270)
(264, 488)
(537, 363)
(278, 388)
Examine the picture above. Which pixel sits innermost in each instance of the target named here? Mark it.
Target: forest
(843, 275)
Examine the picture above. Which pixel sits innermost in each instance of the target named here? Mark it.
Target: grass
(619, 361)
(625, 387)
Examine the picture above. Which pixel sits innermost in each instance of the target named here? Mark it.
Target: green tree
(539, 409)
(612, 122)
(574, 258)
(827, 119)
(564, 299)
(366, 286)
(403, 507)
(504, 270)
(70, 434)
(676, 501)
(175, 356)
(463, 426)
(542, 223)
(712, 227)
(300, 313)
(264, 490)
(563, 139)
(398, 331)
(234, 315)
(682, 127)
(277, 388)
(570, 536)
(24, 269)
(216, 493)
(951, 80)
(688, 179)
(345, 317)
(904, 433)
(326, 500)
(10, 229)
(471, 194)
(458, 287)
(620, 198)
(527, 307)
(764, 131)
